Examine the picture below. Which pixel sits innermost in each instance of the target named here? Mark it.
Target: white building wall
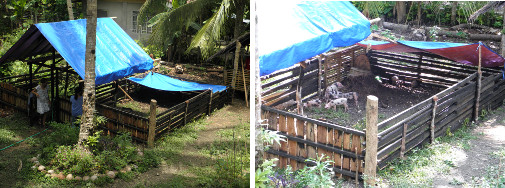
(123, 11)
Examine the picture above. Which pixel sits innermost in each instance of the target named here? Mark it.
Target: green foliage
(232, 167)
(266, 169)
(269, 137)
(71, 159)
(433, 33)
(150, 160)
(316, 176)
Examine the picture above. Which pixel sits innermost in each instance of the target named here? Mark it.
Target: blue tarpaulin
(459, 52)
(166, 83)
(292, 31)
(117, 55)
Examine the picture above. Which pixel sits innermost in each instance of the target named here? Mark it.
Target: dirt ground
(226, 118)
(392, 100)
(471, 165)
(211, 74)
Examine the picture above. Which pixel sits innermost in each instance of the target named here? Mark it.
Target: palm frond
(487, 7)
(149, 8)
(211, 32)
(168, 23)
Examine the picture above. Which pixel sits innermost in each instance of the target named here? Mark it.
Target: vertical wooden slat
(347, 146)
(321, 139)
(284, 145)
(300, 133)
(311, 135)
(292, 145)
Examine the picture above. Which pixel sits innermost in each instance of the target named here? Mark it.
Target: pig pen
(399, 131)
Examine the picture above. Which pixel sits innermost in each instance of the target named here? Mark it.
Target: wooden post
(299, 89)
(210, 102)
(371, 139)
(30, 68)
(245, 84)
(152, 124)
(404, 135)
(419, 67)
(52, 84)
(479, 79)
(432, 127)
(186, 112)
(356, 175)
(320, 61)
(66, 80)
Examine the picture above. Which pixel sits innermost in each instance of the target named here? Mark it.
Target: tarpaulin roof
(166, 83)
(459, 52)
(117, 55)
(292, 31)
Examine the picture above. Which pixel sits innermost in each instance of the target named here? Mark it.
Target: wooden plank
(311, 136)
(347, 146)
(318, 122)
(300, 133)
(292, 145)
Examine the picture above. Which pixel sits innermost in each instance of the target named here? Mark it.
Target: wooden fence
(309, 138)
(119, 120)
(445, 111)
(280, 86)
(240, 84)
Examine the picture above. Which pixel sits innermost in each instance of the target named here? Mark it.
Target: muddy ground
(392, 100)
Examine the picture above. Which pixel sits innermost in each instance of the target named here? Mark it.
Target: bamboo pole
(299, 89)
(320, 59)
(479, 79)
(371, 139)
(119, 86)
(432, 127)
(152, 124)
(245, 86)
(210, 102)
(402, 149)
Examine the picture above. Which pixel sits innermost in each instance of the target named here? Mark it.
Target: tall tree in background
(401, 12)
(70, 11)
(454, 9)
(488, 7)
(88, 106)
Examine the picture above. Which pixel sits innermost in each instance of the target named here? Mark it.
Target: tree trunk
(401, 12)
(503, 37)
(257, 89)
(88, 106)
(419, 8)
(239, 7)
(70, 10)
(454, 10)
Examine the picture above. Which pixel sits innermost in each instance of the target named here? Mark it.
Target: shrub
(73, 159)
(150, 160)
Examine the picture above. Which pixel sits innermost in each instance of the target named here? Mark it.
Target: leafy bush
(74, 160)
(150, 160)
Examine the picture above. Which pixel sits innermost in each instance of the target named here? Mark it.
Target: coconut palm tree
(173, 17)
(88, 106)
(176, 16)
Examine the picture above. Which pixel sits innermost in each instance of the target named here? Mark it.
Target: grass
(339, 115)
(223, 162)
(421, 165)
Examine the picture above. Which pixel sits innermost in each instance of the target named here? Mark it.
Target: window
(135, 26)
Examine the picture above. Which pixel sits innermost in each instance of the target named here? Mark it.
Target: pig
(312, 103)
(332, 91)
(350, 95)
(396, 81)
(337, 102)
